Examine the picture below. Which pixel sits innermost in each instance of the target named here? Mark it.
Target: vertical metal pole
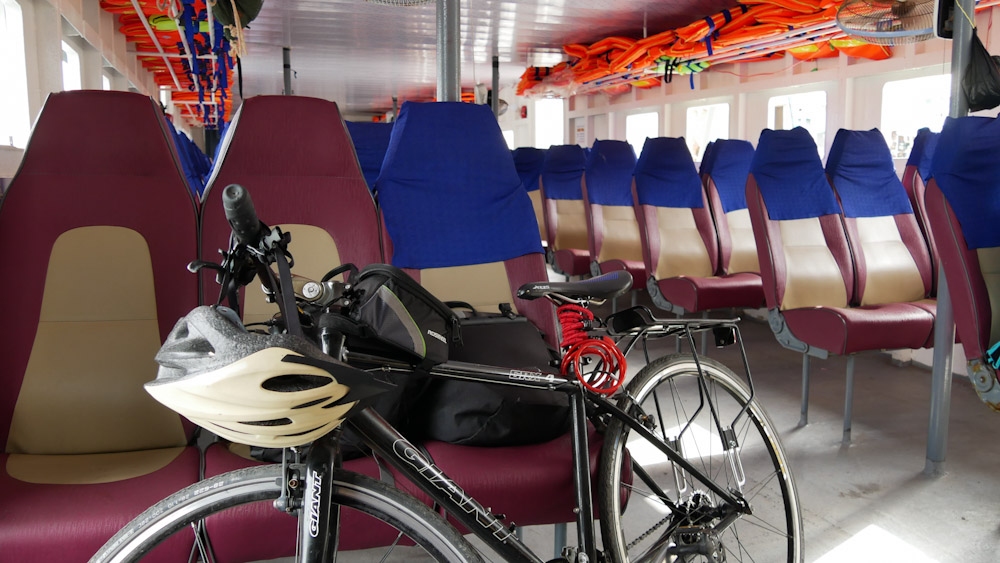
(944, 341)
(448, 43)
(495, 98)
(395, 108)
(944, 324)
(286, 57)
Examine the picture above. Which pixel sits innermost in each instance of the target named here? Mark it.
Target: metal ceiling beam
(449, 39)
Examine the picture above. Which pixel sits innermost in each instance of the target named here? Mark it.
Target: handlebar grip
(241, 214)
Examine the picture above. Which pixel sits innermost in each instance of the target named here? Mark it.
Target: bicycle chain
(645, 534)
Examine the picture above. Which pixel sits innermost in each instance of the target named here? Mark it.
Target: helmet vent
(275, 422)
(291, 383)
(311, 403)
(306, 432)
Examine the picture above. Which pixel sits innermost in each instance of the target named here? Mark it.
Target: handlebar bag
(394, 309)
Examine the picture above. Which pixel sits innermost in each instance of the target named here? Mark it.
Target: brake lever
(196, 266)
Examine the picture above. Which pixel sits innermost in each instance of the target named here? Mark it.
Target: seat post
(849, 399)
(804, 417)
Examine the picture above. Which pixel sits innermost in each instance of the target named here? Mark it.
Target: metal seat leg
(804, 417)
(849, 399)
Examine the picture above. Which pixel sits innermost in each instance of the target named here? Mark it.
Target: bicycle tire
(636, 523)
(424, 527)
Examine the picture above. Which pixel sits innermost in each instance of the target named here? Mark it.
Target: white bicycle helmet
(271, 391)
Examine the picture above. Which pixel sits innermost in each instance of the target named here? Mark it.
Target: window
(704, 125)
(639, 127)
(806, 110)
(508, 135)
(14, 122)
(71, 74)
(105, 81)
(549, 123)
(908, 105)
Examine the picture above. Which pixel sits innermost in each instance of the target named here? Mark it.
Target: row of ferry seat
(844, 264)
(104, 229)
(683, 236)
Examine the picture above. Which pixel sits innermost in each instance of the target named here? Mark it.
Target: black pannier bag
(480, 414)
(394, 309)
(981, 81)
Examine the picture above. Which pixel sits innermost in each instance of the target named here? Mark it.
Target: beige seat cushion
(682, 250)
(812, 276)
(621, 234)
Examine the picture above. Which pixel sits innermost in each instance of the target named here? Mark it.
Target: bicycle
(702, 478)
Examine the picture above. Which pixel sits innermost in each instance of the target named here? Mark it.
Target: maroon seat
(296, 159)
(680, 242)
(97, 212)
(815, 304)
(530, 485)
(612, 226)
(963, 207)
(562, 208)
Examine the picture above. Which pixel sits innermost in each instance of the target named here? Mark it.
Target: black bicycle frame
(390, 445)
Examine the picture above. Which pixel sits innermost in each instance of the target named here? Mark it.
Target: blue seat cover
(609, 173)
(370, 142)
(529, 161)
(729, 167)
(861, 169)
(966, 166)
(449, 192)
(665, 175)
(790, 176)
(927, 156)
(918, 146)
(562, 172)
(706, 159)
(189, 155)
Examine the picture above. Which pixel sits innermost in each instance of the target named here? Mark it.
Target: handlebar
(241, 214)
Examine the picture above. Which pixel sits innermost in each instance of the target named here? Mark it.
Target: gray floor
(871, 501)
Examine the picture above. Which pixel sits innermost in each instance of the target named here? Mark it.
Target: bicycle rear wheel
(430, 536)
(659, 512)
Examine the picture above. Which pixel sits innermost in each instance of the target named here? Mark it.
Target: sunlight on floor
(697, 442)
(873, 544)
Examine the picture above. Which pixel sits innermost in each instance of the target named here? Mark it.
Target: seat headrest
(449, 191)
(370, 142)
(665, 175)
(563, 171)
(917, 150)
(609, 173)
(790, 176)
(100, 133)
(861, 169)
(729, 167)
(287, 136)
(706, 159)
(967, 170)
(930, 144)
(529, 161)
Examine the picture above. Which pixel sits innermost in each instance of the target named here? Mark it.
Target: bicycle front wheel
(430, 537)
(659, 512)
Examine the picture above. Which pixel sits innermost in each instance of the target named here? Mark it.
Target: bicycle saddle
(607, 286)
